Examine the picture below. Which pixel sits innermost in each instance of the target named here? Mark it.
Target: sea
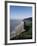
(13, 24)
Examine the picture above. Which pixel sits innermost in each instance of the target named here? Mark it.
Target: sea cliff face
(20, 28)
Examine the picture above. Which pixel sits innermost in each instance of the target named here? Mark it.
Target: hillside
(30, 19)
(25, 34)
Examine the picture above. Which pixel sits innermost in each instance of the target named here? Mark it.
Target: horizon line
(20, 19)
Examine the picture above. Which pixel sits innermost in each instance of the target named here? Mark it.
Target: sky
(20, 12)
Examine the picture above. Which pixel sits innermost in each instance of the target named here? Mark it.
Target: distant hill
(30, 19)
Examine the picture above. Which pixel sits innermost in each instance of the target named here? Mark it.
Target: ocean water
(13, 24)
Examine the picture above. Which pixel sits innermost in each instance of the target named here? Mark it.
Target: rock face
(18, 30)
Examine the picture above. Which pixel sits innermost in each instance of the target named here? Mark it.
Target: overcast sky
(20, 12)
